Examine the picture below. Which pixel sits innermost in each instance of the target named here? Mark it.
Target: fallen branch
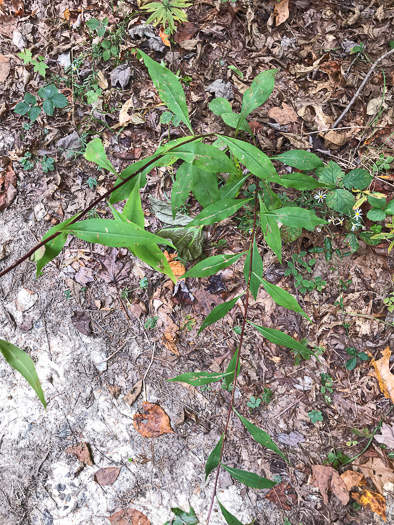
(362, 86)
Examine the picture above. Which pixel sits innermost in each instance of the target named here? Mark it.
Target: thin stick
(230, 410)
(362, 86)
(95, 202)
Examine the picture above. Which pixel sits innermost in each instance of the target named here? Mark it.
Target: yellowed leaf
(372, 501)
(352, 479)
(383, 374)
(376, 468)
(281, 12)
(101, 80)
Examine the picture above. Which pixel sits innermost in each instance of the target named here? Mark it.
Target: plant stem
(95, 202)
(238, 358)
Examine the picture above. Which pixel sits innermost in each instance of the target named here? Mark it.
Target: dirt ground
(87, 336)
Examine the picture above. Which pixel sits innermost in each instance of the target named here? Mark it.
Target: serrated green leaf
(212, 265)
(260, 89)
(218, 211)
(377, 202)
(59, 100)
(199, 378)
(21, 108)
(95, 152)
(187, 241)
(376, 215)
(230, 519)
(48, 107)
(24, 364)
(218, 313)
(257, 269)
(92, 23)
(255, 160)
(169, 88)
(352, 241)
(30, 99)
(112, 233)
(250, 479)
(300, 159)
(389, 208)
(26, 56)
(340, 200)
(41, 67)
(213, 458)
(331, 175)
(260, 436)
(296, 217)
(279, 338)
(358, 179)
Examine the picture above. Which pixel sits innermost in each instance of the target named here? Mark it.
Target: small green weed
(67, 293)
(52, 99)
(356, 355)
(48, 164)
(335, 459)
(92, 182)
(254, 402)
(389, 302)
(151, 322)
(144, 283)
(326, 387)
(315, 416)
(298, 264)
(27, 161)
(189, 323)
(166, 13)
(39, 64)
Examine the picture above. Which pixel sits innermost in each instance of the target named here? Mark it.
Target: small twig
(362, 86)
(112, 355)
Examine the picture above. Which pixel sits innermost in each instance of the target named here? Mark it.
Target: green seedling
(254, 402)
(356, 355)
(39, 64)
(335, 459)
(151, 322)
(92, 182)
(52, 99)
(315, 416)
(27, 161)
(166, 13)
(389, 302)
(48, 164)
(144, 283)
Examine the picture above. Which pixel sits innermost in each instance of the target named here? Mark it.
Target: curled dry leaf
(7, 187)
(281, 12)
(326, 478)
(372, 501)
(131, 396)
(128, 517)
(82, 452)
(107, 476)
(383, 374)
(352, 479)
(114, 390)
(153, 422)
(125, 118)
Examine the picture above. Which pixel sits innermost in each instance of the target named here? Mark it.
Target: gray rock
(220, 88)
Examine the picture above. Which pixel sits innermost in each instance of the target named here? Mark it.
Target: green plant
(151, 322)
(356, 355)
(315, 416)
(39, 64)
(48, 164)
(189, 323)
(254, 402)
(326, 387)
(92, 182)
(336, 458)
(144, 283)
(166, 13)
(266, 395)
(380, 207)
(67, 293)
(27, 161)
(389, 302)
(382, 163)
(52, 99)
(107, 48)
(297, 262)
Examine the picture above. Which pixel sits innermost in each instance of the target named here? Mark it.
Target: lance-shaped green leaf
(204, 156)
(218, 211)
(231, 188)
(270, 231)
(230, 518)
(231, 369)
(95, 153)
(169, 88)
(199, 378)
(52, 248)
(218, 106)
(254, 159)
(282, 297)
(205, 186)
(133, 211)
(236, 121)
(112, 233)
(300, 181)
(250, 479)
(24, 364)
(300, 159)
(214, 457)
(296, 217)
(260, 436)
(187, 241)
(218, 312)
(260, 89)
(279, 338)
(182, 186)
(257, 268)
(212, 265)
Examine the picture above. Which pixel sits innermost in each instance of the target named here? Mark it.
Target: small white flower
(339, 221)
(250, 231)
(320, 196)
(358, 213)
(331, 220)
(355, 226)
(74, 68)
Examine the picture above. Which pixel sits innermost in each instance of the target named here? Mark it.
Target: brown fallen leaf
(82, 452)
(383, 374)
(128, 517)
(131, 396)
(372, 501)
(387, 436)
(378, 469)
(169, 342)
(352, 479)
(5, 68)
(81, 321)
(281, 12)
(326, 478)
(283, 495)
(153, 422)
(283, 115)
(107, 476)
(125, 118)
(177, 267)
(7, 187)
(114, 390)
(184, 32)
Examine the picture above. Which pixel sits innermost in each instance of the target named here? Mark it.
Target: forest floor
(103, 327)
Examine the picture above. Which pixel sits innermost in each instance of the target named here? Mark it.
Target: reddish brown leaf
(326, 478)
(82, 452)
(5, 68)
(352, 479)
(283, 115)
(153, 422)
(185, 32)
(107, 476)
(128, 517)
(164, 38)
(378, 469)
(372, 501)
(383, 374)
(282, 495)
(7, 187)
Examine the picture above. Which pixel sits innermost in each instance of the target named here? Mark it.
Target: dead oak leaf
(383, 374)
(352, 479)
(282, 495)
(283, 115)
(387, 436)
(281, 12)
(82, 452)
(372, 501)
(107, 476)
(378, 470)
(129, 517)
(153, 422)
(326, 478)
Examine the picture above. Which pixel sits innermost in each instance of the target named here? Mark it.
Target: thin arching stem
(245, 314)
